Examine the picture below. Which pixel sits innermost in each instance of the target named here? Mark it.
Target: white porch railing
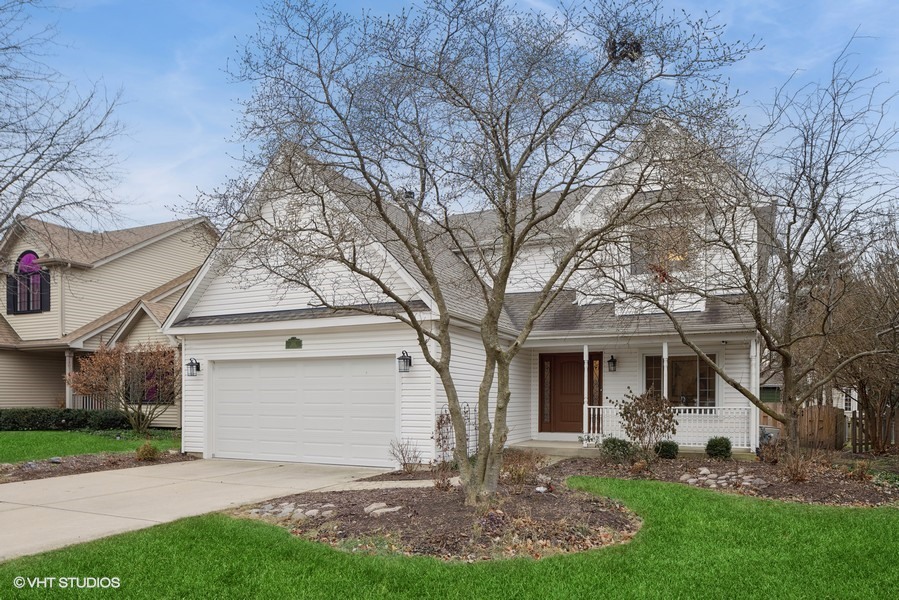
(87, 402)
(694, 425)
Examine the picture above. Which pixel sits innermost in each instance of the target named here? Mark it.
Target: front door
(562, 390)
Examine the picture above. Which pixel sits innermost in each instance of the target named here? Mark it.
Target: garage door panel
(333, 411)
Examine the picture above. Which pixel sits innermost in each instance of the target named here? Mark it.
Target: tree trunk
(791, 426)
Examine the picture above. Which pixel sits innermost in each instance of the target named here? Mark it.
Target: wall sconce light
(613, 364)
(405, 362)
(193, 367)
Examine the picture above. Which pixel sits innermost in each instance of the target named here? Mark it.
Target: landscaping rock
(759, 482)
(267, 507)
(328, 505)
(312, 513)
(685, 477)
(704, 471)
(711, 483)
(693, 481)
(711, 476)
(740, 471)
(56, 460)
(374, 506)
(298, 516)
(328, 513)
(383, 511)
(713, 486)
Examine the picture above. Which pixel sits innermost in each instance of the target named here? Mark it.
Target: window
(28, 288)
(660, 251)
(691, 382)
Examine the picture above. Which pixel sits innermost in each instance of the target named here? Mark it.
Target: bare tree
(869, 320)
(55, 159)
(141, 381)
(461, 136)
(776, 226)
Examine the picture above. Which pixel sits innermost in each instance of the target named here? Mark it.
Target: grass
(18, 446)
(694, 544)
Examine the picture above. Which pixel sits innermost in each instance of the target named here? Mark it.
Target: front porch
(575, 390)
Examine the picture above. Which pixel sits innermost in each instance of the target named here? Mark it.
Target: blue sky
(169, 59)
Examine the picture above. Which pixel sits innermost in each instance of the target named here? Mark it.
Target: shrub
(718, 447)
(60, 419)
(520, 466)
(797, 467)
(147, 452)
(771, 452)
(406, 453)
(441, 468)
(667, 449)
(647, 419)
(861, 470)
(617, 450)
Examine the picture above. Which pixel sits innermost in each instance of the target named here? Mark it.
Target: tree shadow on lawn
(694, 543)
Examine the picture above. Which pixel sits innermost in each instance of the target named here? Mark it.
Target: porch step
(576, 449)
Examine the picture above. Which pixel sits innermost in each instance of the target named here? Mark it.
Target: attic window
(28, 288)
(660, 251)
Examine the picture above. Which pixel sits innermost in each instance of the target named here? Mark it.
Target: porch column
(70, 366)
(586, 428)
(754, 384)
(664, 391)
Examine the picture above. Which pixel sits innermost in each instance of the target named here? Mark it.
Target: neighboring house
(68, 292)
(281, 379)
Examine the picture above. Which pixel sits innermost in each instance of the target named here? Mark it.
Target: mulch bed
(826, 484)
(521, 522)
(524, 523)
(85, 463)
(420, 474)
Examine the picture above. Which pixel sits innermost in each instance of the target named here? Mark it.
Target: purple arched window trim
(28, 275)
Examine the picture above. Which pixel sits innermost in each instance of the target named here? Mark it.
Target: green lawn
(18, 446)
(694, 543)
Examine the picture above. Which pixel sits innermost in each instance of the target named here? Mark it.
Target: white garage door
(334, 410)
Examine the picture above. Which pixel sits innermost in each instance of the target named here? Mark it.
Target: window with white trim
(691, 382)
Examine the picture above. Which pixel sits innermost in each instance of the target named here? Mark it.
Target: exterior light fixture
(405, 362)
(613, 364)
(193, 367)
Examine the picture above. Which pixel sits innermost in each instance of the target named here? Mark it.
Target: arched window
(28, 288)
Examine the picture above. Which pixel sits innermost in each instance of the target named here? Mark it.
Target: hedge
(60, 419)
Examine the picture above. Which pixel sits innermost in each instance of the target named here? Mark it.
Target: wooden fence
(819, 426)
(860, 435)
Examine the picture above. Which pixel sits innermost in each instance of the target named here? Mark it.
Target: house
(68, 292)
(281, 378)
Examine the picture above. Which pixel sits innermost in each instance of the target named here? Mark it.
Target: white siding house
(282, 378)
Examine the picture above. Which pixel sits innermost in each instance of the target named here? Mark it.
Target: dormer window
(28, 288)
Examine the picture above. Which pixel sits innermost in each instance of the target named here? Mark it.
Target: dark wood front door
(562, 390)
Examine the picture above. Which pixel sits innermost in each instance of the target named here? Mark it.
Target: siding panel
(31, 379)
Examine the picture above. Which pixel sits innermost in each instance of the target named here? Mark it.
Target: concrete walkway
(44, 514)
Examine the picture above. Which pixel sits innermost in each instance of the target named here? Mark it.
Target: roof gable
(60, 244)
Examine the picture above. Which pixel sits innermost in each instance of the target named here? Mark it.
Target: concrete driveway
(44, 514)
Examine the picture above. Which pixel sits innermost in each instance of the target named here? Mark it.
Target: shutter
(45, 291)
(10, 295)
